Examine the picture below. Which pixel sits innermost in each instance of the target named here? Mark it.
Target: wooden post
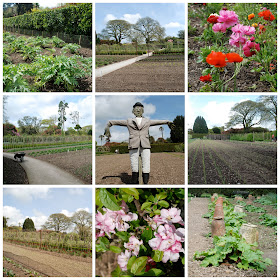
(140, 170)
(253, 136)
(80, 39)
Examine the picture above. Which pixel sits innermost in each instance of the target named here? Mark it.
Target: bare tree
(118, 29)
(161, 129)
(58, 222)
(269, 108)
(83, 221)
(101, 138)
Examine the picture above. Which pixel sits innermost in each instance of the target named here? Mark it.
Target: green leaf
(138, 265)
(142, 251)
(117, 272)
(108, 200)
(151, 198)
(206, 71)
(123, 235)
(157, 212)
(97, 199)
(157, 255)
(115, 249)
(183, 260)
(104, 240)
(147, 234)
(130, 262)
(161, 196)
(146, 205)
(100, 248)
(155, 207)
(163, 203)
(153, 272)
(131, 191)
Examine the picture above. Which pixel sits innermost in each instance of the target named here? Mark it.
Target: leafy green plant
(29, 52)
(58, 42)
(269, 221)
(13, 78)
(252, 208)
(269, 199)
(73, 48)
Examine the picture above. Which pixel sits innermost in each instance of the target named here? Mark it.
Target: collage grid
(167, 86)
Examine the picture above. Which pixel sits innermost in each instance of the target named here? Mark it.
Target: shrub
(180, 148)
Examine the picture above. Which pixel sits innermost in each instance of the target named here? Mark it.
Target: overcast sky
(170, 16)
(215, 109)
(44, 106)
(39, 203)
(119, 107)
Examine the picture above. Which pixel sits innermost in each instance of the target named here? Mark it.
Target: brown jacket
(138, 136)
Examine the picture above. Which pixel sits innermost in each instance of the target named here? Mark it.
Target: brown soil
(198, 228)
(13, 173)
(18, 270)
(166, 169)
(46, 263)
(155, 74)
(245, 79)
(78, 163)
(225, 162)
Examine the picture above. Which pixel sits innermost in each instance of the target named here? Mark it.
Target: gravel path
(198, 227)
(166, 168)
(48, 264)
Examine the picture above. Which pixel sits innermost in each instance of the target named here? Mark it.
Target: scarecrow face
(138, 111)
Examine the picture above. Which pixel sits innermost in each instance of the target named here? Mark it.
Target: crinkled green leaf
(157, 255)
(108, 200)
(131, 191)
(138, 265)
(163, 203)
(146, 205)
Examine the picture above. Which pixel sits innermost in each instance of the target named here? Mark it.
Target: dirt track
(166, 169)
(48, 264)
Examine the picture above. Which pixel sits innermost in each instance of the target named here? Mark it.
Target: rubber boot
(146, 177)
(135, 176)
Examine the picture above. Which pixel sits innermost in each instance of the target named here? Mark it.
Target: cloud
(109, 17)
(131, 18)
(14, 215)
(26, 195)
(117, 107)
(174, 25)
(45, 106)
(76, 191)
(70, 214)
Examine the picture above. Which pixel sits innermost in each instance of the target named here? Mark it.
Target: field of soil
(247, 81)
(45, 263)
(158, 73)
(228, 162)
(199, 227)
(166, 169)
(13, 173)
(78, 163)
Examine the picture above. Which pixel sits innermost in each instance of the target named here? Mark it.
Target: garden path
(43, 173)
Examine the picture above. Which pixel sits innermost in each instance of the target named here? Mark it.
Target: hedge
(198, 135)
(74, 19)
(155, 148)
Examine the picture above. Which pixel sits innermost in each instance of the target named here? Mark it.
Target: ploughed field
(227, 162)
(157, 73)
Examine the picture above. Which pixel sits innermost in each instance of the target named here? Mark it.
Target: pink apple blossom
(123, 259)
(219, 27)
(133, 245)
(228, 18)
(171, 215)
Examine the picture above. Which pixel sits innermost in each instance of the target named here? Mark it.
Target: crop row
(57, 151)
(47, 147)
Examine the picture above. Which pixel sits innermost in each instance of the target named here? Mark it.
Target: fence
(82, 40)
(11, 142)
(49, 240)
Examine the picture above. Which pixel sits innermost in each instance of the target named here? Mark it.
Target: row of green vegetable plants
(57, 151)
(40, 147)
(232, 246)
